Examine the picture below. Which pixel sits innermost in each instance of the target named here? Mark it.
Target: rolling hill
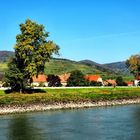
(5, 56)
(96, 65)
(61, 66)
(118, 67)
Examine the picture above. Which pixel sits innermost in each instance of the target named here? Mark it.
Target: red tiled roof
(110, 81)
(40, 78)
(92, 77)
(129, 83)
(64, 77)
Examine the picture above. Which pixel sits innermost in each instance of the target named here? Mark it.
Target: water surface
(110, 123)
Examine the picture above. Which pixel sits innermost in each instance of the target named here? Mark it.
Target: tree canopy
(120, 81)
(32, 50)
(133, 64)
(54, 81)
(77, 78)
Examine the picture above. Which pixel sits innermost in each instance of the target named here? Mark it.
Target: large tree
(32, 50)
(133, 64)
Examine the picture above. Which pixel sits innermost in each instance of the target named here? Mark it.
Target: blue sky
(100, 30)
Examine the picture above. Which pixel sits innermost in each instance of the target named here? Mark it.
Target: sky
(103, 31)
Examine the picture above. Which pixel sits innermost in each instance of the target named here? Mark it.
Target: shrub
(77, 79)
(94, 83)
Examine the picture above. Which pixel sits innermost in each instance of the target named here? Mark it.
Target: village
(41, 80)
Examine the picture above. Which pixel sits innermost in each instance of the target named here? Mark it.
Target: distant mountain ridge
(118, 66)
(60, 65)
(5, 55)
(97, 65)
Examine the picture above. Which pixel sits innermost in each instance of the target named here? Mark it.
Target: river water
(104, 123)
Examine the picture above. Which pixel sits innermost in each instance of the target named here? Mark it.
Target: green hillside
(5, 56)
(66, 66)
(61, 66)
(3, 67)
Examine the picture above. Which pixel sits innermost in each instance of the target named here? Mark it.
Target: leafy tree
(1, 76)
(133, 63)
(139, 83)
(94, 83)
(120, 81)
(14, 77)
(54, 81)
(32, 50)
(77, 79)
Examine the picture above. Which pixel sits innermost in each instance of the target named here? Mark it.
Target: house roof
(64, 77)
(110, 81)
(40, 78)
(92, 77)
(129, 83)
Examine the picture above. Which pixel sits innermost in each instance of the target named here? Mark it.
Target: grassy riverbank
(53, 96)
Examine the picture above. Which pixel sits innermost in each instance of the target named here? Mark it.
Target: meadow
(68, 95)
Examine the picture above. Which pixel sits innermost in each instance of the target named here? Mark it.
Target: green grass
(128, 78)
(2, 92)
(3, 67)
(51, 96)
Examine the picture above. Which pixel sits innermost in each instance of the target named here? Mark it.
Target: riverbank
(51, 99)
(14, 109)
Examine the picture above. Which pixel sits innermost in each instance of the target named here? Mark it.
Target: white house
(137, 81)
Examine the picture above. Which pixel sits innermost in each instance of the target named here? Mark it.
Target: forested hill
(60, 66)
(96, 65)
(5, 56)
(118, 66)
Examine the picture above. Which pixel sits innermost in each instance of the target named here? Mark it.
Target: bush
(94, 83)
(120, 81)
(54, 81)
(77, 79)
(41, 84)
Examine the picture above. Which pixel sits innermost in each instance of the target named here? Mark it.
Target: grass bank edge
(52, 96)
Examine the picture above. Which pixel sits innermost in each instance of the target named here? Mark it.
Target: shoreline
(16, 109)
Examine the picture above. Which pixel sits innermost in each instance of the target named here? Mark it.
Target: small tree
(54, 81)
(32, 50)
(77, 79)
(120, 81)
(94, 83)
(133, 64)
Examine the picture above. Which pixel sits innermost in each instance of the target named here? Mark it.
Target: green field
(52, 96)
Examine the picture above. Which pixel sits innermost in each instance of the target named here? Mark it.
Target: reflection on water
(136, 124)
(21, 129)
(111, 123)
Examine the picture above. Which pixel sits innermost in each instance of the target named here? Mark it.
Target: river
(100, 123)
